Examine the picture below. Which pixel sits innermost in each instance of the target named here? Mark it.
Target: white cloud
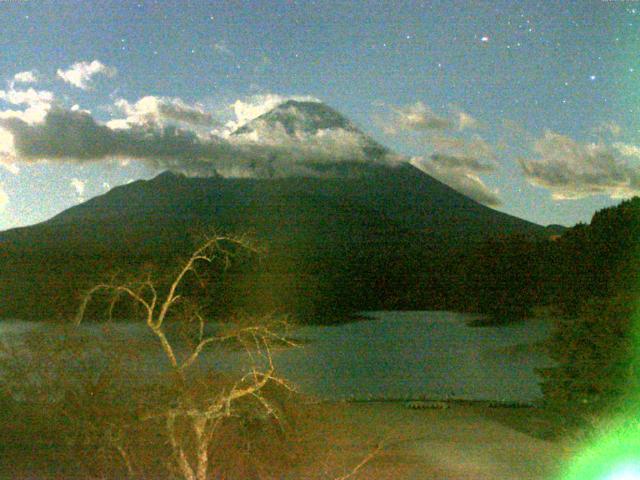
(8, 159)
(118, 124)
(418, 117)
(160, 111)
(29, 76)
(7, 152)
(573, 170)
(627, 149)
(79, 186)
(4, 197)
(81, 74)
(9, 165)
(38, 103)
(466, 121)
(30, 97)
(30, 116)
(76, 108)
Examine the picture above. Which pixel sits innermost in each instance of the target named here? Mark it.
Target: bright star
(484, 39)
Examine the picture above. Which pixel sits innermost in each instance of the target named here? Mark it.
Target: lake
(398, 355)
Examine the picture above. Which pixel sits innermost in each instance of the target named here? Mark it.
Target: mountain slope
(380, 201)
(352, 235)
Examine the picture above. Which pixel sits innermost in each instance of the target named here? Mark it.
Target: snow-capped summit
(313, 126)
(297, 117)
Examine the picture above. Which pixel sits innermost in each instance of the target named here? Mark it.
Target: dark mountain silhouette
(361, 232)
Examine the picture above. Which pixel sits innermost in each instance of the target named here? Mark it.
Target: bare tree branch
(202, 415)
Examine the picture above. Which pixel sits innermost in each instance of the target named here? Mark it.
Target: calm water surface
(397, 355)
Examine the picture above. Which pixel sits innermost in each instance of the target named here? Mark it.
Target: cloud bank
(419, 117)
(154, 131)
(461, 174)
(152, 111)
(459, 156)
(572, 170)
(36, 104)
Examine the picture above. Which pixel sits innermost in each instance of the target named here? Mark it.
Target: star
(592, 77)
(484, 39)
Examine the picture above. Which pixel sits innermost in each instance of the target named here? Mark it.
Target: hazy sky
(531, 107)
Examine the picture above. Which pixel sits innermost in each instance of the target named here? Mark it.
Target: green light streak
(613, 456)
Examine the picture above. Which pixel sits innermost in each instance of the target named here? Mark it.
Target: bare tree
(195, 413)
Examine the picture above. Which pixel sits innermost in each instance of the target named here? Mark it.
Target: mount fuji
(351, 229)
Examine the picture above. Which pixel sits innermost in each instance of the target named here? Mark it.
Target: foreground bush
(597, 364)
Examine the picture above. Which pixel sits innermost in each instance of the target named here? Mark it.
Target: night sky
(530, 107)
